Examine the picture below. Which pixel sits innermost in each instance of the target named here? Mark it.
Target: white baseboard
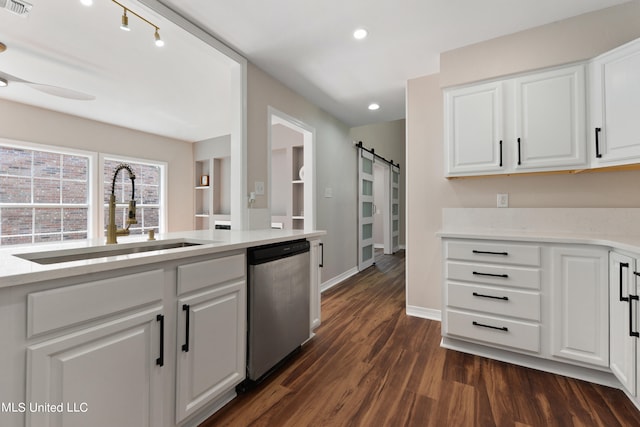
(339, 278)
(403, 247)
(425, 313)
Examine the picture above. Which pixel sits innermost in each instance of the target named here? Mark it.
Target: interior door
(395, 208)
(365, 210)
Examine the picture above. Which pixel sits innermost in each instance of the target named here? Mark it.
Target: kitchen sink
(77, 254)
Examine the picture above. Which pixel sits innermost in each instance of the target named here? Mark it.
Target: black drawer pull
(623, 265)
(475, 294)
(632, 333)
(500, 153)
(504, 276)
(160, 359)
(490, 253)
(500, 328)
(598, 153)
(519, 150)
(185, 346)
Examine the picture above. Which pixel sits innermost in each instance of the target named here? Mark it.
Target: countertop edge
(623, 243)
(242, 240)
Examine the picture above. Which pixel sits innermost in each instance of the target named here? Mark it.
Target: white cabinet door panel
(550, 119)
(580, 305)
(473, 129)
(623, 345)
(614, 129)
(111, 371)
(211, 346)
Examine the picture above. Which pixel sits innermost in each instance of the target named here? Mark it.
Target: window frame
(91, 190)
(162, 211)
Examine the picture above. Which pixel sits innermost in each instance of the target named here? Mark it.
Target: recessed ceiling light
(87, 2)
(3, 82)
(374, 106)
(360, 33)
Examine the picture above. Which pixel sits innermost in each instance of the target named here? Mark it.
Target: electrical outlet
(259, 188)
(503, 200)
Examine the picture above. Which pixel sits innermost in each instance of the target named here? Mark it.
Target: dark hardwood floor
(372, 365)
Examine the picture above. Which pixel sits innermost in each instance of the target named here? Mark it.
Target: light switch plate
(503, 200)
(259, 188)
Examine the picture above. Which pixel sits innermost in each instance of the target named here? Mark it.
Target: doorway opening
(291, 172)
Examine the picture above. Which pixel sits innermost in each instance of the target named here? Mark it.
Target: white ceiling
(308, 44)
(180, 90)
(183, 89)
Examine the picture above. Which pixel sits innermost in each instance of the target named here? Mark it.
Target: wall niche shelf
(212, 201)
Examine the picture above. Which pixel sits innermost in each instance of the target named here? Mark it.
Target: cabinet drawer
(528, 278)
(503, 302)
(211, 272)
(494, 330)
(70, 305)
(502, 253)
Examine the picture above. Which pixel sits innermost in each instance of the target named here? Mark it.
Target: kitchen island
(133, 337)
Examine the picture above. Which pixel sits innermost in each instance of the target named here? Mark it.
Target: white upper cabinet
(550, 118)
(534, 122)
(473, 129)
(614, 130)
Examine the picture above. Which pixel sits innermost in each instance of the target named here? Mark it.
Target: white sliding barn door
(365, 210)
(395, 208)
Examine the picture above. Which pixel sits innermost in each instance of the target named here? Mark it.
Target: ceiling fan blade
(60, 91)
(51, 90)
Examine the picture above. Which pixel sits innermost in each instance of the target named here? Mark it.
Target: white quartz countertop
(15, 270)
(628, 243)
(615, 228)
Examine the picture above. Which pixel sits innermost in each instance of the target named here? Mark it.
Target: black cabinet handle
(504, 276)
(321, 255)
(519, 157)
(160, 359)
(598, 154)
(500, 153)
(500, 328)
(185, 346)
(490, 253)
(475, 294)
(622, 265)
(631, 299)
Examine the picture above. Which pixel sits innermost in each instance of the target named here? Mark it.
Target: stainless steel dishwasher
(278, 304)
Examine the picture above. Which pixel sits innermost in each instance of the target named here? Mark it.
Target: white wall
(428, 191)
(335, 165)
(32, 124)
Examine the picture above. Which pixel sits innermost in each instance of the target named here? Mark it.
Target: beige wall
(335, 165)
(31, 124)
(428, 192)
(388, 140)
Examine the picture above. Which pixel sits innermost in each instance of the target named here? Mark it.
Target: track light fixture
(125, 23)
(3, 82)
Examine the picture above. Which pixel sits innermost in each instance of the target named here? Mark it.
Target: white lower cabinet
(104, 376)
(317, 256)
(97, 372)
(492, 294)
(541, 300)
(580, 308)
(211, 334)
(623, 325)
